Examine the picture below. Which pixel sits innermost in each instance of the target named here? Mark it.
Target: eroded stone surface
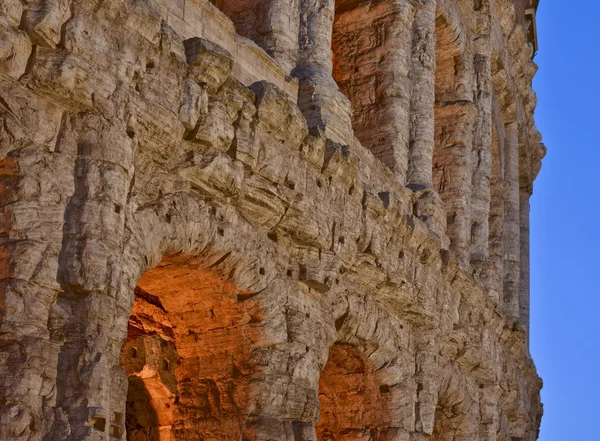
(279, 220)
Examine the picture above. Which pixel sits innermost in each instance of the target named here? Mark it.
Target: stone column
(452, 158)
(282, 21)
(512, 222)
(422, 74)
(482, 142)
(323, 105)
(489, 418)
(89, 268)
(31, 236)
(525, 260)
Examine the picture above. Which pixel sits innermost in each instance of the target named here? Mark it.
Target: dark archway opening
(188, 354)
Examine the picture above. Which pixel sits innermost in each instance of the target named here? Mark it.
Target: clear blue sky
(566, 221)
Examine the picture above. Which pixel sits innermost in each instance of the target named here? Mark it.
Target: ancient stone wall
(280, 220)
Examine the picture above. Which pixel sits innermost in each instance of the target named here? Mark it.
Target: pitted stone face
(216, 214)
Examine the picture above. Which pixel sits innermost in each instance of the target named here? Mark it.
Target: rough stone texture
(279, 220)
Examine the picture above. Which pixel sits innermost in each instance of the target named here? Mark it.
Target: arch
(366, 387)
(185, 228)
(188, 353)
(355, 404)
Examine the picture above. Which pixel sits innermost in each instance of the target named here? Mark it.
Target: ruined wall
(204, 237)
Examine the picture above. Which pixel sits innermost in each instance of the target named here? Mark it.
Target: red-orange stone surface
(187, 354)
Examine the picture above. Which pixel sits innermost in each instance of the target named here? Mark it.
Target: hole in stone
(116, 431)
(150, 65)
(319, 183)
(341, 240)
(445, 257)
(351, 190)
(118, 417)
(261, 271)
(165, 365)
(220, 231)
(213, 211)
(99, 424)
(401, 254)
(385, 198)
(133, 352)
(117, 209)
(290, 273)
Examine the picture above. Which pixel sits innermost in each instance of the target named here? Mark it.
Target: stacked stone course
(290, 220)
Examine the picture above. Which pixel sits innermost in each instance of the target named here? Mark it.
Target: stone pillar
(452, 161)
(281, 42)
(427, 377)
(454, 115)
(422, 100)
(482, 141)
(323, 105)
(31, 236)
(489, 418)
(492, 273)
(525, 260)
(89, 268)
(512, 222)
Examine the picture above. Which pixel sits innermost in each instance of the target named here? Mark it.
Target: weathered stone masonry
(266, 220)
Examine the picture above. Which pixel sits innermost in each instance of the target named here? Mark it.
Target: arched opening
(354, 404)
(370, 67)
(188, 353)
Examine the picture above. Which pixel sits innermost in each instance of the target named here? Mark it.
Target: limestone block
(15, 50)
(43, 20)
(194, 104)
(210, 64)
